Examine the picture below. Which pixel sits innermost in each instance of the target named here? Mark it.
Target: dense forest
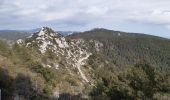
(125, 49)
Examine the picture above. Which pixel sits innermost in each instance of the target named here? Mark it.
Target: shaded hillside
(124, 49)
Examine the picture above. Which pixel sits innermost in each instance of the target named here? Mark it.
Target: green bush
(141, 81)
(47, 73)
(4, 50)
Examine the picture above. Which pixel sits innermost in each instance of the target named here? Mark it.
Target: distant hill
(65, 33)
(14, 35)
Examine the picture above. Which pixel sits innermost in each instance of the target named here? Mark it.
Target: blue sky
(143, 16)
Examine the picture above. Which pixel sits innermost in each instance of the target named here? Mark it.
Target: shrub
(141, 81)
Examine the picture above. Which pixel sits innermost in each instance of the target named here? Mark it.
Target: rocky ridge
(73, 52)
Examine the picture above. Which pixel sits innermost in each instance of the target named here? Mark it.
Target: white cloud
(84, 12)
(152, 11)
(97, 10)
(155, 17)
(50, 16)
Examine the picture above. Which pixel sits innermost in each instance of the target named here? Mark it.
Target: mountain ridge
(47, 39)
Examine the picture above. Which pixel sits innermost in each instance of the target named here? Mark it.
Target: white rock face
(49, 66)
(20, 41)
(98, 45)
(74, 52)
(43, 46)
(62, 42)
(41, 33)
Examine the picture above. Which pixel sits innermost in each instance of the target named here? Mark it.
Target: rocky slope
(73, 52)
(70, 55)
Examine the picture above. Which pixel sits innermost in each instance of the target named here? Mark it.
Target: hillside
(124, 49)
(97, 64)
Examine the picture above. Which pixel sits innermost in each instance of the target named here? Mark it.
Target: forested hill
(124, 49)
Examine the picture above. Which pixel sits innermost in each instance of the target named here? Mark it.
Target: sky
(141, 16)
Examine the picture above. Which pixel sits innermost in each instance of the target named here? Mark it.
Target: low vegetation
(140, 82)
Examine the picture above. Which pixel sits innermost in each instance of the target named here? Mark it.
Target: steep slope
(70, 54)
